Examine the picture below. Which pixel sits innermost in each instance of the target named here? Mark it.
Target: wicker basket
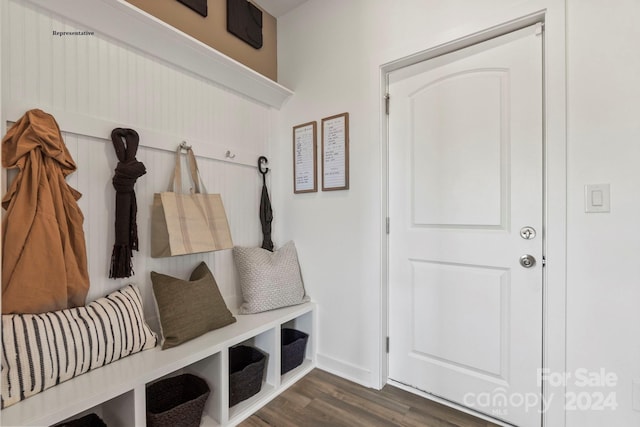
(246, 369)
(294, 345)
(90, 420)
(176, 401)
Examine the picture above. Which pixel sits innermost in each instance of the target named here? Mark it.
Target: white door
(465, 176)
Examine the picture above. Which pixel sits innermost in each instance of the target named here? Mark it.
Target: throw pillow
(43, 350)
(269, 280)
(189, 308)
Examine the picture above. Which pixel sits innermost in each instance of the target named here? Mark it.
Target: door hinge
(388, 224)
(387, 344)
(386, 104)
(544, 261)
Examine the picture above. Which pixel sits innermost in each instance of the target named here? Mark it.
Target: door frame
(554, 189)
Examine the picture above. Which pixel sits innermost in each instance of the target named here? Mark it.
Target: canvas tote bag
(188, 223)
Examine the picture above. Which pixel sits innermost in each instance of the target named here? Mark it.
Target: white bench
(116, 392)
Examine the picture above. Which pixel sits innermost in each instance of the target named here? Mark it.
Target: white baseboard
(345, 370)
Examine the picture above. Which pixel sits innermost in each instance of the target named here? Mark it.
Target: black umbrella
(266, 214)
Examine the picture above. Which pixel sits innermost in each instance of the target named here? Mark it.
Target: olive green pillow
(189, 308)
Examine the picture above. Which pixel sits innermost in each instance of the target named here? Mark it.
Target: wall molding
(345, 370)
(134, 27)
(84, 125)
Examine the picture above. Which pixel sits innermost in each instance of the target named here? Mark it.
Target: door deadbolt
(527, 233)
(527, 261)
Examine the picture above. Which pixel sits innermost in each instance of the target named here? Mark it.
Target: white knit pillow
(269, 280)
(43, 350)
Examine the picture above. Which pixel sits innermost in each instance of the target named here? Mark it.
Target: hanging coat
(44, 257)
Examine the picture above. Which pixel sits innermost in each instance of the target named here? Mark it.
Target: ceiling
(277, 8)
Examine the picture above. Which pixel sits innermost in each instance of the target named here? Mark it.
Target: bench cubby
(116, 392)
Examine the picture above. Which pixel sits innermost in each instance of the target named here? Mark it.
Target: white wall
(330, 52)
(603, 249)
(89, 80)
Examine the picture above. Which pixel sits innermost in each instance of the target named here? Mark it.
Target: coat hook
(261, 160)
(228, 155)
(184, 146)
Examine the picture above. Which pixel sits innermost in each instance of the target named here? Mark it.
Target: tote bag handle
(175, 185)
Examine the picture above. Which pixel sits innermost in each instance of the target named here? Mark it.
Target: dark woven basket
(176, 401)
(246, 368)
(91, 420)
(294, 346)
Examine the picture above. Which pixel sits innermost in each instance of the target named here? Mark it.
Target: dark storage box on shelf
(294, 347)
(90, 420)
(246, 369)
(176, 401)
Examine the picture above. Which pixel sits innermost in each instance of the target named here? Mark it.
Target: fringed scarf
(127, 172)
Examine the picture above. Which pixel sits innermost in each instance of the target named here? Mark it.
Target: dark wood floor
(321, 399)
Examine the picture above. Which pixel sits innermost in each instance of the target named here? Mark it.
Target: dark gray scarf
(127, 172)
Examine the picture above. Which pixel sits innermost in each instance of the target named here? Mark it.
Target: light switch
(597, 198)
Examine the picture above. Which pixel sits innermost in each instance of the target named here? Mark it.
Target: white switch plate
(597, 198)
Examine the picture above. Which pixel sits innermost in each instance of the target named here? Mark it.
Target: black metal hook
(261, 160)
(265, 171)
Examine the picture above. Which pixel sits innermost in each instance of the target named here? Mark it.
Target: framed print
(335, 152)
(305, 153)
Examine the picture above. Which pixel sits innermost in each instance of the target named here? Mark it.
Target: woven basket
(294, 346)
(176, 401)
(246, 369)
(91, 420)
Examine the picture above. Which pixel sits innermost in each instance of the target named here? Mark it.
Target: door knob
(527, 261)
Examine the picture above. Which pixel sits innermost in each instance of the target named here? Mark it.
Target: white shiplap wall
(97, 78)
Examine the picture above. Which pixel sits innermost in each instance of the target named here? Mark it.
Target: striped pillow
(43, 350)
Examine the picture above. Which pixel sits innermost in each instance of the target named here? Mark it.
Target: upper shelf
(127, 24)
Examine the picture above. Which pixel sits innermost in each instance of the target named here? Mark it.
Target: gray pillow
(189, 308)
(269, 280)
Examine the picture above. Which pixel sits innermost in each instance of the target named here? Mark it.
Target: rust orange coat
(44, 257)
